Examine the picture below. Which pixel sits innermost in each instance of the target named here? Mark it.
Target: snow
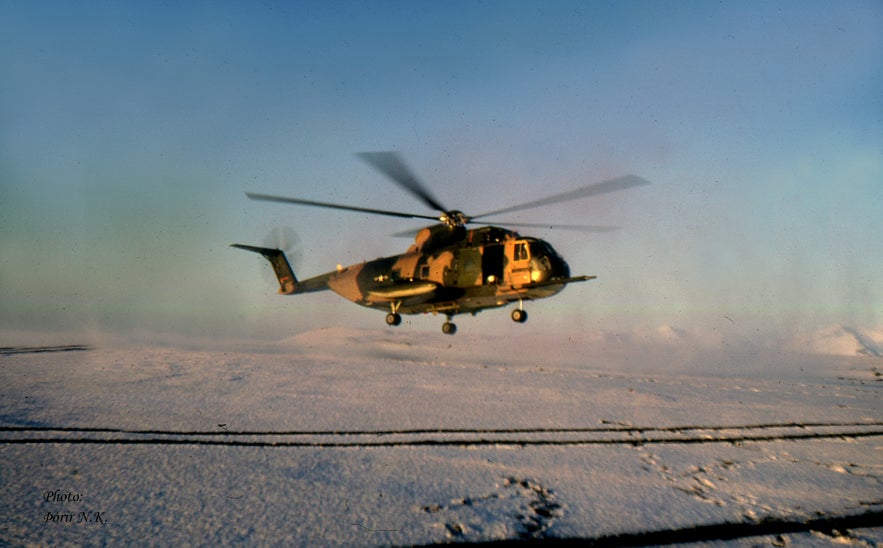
(397, 437)
(842, 341)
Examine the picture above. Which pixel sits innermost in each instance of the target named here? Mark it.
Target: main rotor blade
(391, 165)
(610, 185)
(285, 200)
(578, 228)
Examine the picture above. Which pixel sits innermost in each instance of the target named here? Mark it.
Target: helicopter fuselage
(453, 271)
(448, 270)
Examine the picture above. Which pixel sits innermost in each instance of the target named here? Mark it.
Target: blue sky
(129, 132)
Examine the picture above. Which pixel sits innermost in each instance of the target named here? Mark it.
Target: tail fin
(286, 277)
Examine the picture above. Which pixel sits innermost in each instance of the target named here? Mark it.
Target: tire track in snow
(465, 437)
(832, 526)
(12, 350)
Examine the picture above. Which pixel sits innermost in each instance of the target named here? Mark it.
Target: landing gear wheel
(393, 318)
(449, 328)
(519, 315)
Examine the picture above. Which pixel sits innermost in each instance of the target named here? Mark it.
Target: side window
(424, 272)
(521, 251)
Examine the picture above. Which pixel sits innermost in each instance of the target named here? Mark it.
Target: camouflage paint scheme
(448, 270)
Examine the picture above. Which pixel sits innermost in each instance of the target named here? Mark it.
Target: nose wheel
(449, 328)
(519, 315)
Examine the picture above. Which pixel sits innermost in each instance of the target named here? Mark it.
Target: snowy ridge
(841, 340)
(667, 349)
(341, 341)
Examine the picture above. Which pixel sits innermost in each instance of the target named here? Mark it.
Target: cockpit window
(540, 249)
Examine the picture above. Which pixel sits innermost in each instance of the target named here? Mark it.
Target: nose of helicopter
(549, 265)
(558, 267)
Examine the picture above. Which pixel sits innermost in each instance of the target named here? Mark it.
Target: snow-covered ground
(400, 437)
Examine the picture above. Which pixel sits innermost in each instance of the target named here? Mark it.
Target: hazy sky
(129, 132)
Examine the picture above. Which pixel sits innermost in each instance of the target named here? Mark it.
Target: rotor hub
(454, 218)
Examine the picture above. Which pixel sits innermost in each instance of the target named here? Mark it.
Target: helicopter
(449, 269)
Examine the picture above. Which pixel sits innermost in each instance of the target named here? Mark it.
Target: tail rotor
(286, 240)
